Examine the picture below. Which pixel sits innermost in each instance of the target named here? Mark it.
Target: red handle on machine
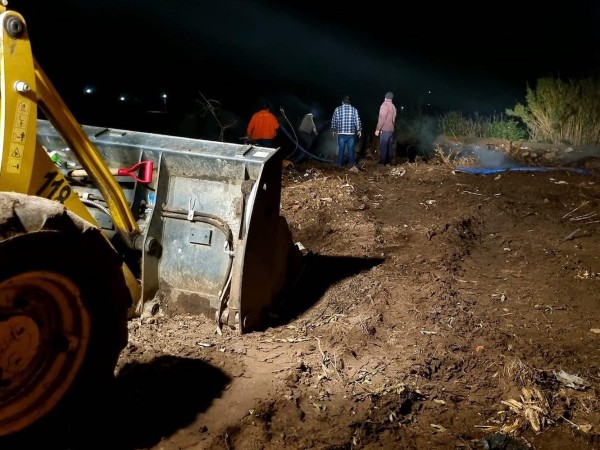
(133, 171)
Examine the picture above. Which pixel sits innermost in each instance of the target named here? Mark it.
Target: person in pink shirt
(385, 128)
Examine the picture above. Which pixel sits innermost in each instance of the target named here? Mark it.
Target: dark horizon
(241, 53)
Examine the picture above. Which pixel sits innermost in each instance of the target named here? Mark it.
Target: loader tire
(63, 315)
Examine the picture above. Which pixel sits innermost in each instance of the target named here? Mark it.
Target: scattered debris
(571, 381)
(533, 410)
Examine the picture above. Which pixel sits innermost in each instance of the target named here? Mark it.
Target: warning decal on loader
(19, 134)
(14, 158)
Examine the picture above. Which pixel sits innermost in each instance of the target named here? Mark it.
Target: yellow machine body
(82, 254)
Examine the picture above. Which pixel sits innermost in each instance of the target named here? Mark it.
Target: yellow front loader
(100, 225)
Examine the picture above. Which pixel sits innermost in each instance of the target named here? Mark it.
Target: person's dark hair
(346, 99)
(266, 105)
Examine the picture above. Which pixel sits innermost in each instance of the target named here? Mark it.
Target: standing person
(307, 132)
(263, 126)
(385, 128)
(346, 125)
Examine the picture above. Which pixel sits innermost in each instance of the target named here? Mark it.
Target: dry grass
(453, 158)
(520, 373)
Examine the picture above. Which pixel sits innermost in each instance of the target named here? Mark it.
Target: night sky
(470, 57)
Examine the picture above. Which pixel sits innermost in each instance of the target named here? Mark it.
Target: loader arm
(63, 121)
(24, 87)
(25, 166)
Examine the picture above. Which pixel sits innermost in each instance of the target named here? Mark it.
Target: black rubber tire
(41, 235)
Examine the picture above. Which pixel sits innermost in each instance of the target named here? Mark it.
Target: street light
(164, 97)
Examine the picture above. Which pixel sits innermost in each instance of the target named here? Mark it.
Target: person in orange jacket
(263, 127)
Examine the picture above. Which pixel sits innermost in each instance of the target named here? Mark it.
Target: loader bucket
(214, 241)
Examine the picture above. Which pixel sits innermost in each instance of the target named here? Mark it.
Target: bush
(506, 129)
(454, 123)
(560, 112)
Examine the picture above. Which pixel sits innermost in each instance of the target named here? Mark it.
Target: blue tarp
(492, 170)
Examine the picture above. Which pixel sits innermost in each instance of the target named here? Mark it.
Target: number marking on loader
(60, 190)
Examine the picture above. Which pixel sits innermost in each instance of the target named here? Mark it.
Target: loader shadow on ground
(149, 401)
(320, 272)
(164, 395)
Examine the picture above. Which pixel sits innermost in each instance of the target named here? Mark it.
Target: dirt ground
(438, 309)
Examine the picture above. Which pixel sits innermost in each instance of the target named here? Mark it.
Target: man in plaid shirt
(346, 125)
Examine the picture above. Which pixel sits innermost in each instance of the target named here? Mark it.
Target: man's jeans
(264, 142)
(385, 147)
(346, 144)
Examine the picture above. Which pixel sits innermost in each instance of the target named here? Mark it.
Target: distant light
(164, 97)
(122, 98)
(88, 90)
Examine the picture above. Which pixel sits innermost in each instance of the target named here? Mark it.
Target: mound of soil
(438, 309)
